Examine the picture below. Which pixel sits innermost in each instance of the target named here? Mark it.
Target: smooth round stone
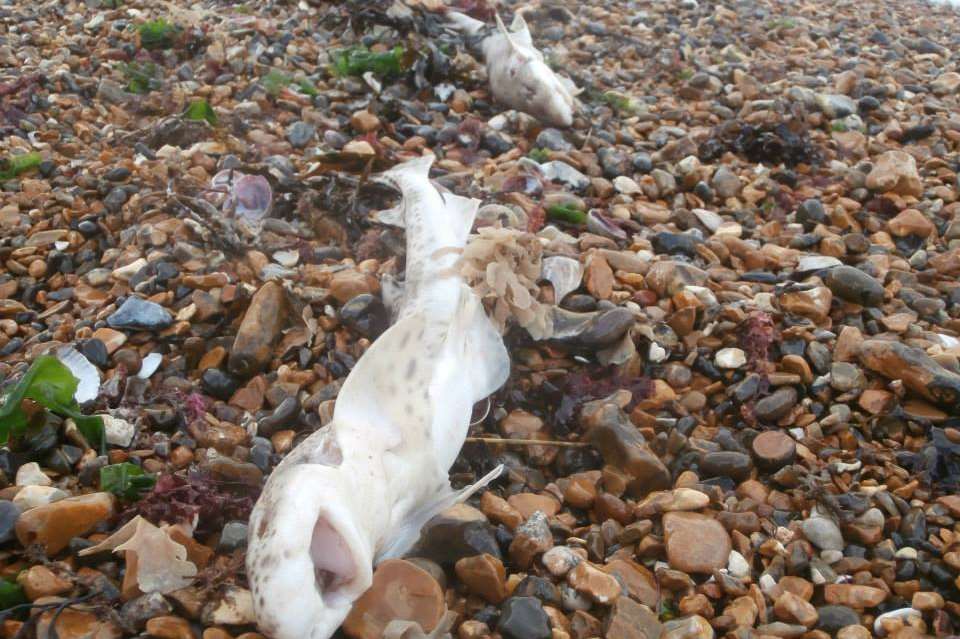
(9, 514)
(365, 314)
(300, 133)
(776, 405)
(553, 139)
(523, 618)
(233, 536)
(730, 358)
(833, 618)
(810, 213)
(853, 285)
(96, 352)
(727, 463)
(823, 533)
(218, 384)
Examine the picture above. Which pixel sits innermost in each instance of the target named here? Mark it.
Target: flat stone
(695, 543)
(919, 372)
(776, 405)
(596, 584)
(141, 315)
(853, 285)
(793, 609)
(523, 618)
(483, 575)
(854, 595)
(54, 525)
(631, 620)
(895, 171)
(641, 583)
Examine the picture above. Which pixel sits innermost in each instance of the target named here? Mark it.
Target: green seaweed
(539, 155)
(274, 82)
(307, 88)
(158, 34)
(201, 110)
(622, 103)
(14, 165)
(142, 77)
(126, 480)
(11, 594)
(49, 383)
(358, 60)
(566, 213)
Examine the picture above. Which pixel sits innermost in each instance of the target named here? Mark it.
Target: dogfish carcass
(359, 490)
(519, 77)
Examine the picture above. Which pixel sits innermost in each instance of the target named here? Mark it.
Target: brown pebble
(483, 575)
(400, 590)
(773, 449)
(253, 345)
(170, 627)
(129, 359)
(40, 581)
(54, 525)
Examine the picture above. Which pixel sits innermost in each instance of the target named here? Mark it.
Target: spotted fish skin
(359, 490)
(519, 77)
(521, 80)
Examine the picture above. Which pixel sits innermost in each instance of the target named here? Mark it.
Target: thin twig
(527, 442)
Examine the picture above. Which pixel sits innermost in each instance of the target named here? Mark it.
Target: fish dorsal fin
(462, 212)
(506, 34)
(520, 30)
(390, 217)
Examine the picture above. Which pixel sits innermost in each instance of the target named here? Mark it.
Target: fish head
(523, 80)
(308, 555)
(546, 97)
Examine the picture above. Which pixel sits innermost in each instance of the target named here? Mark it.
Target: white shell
(564, 273)
(149, 365)
(88, 377)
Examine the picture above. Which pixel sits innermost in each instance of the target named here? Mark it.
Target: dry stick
(527, 442)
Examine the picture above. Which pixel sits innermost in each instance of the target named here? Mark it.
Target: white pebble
(737, 565)
(730, 358)
(31, 475)
(119, 432)
(32, 496)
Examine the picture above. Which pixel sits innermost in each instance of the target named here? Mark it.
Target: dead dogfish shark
(359, 490)
(519, 77)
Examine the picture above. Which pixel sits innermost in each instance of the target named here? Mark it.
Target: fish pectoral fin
(390, 217)
(520, 30)
(466, 493)
(408, 531)
(462, 211)
(482, 347)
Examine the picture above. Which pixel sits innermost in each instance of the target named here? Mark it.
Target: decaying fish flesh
(519, 77)
(359, 490)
